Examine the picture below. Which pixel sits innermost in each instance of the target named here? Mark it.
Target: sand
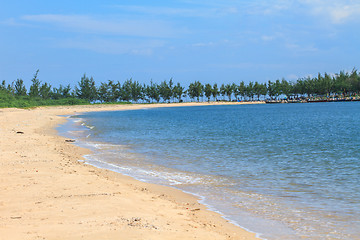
(46, 193)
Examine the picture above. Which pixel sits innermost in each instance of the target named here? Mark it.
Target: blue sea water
(284, 171)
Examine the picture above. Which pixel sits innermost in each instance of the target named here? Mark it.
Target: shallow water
(286, 171)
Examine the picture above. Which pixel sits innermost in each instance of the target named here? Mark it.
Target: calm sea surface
(285, 171)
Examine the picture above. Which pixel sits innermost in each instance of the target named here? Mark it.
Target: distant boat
(294, 101)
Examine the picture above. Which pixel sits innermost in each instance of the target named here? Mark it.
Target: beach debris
(196, 209)
(15, 217)
(69, 140)
(20, 132)
(88, 195)
(136, 219)
(135, 222)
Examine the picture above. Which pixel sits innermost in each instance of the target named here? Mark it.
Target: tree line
(87, 91)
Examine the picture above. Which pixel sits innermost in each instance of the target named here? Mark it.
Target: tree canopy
(15, 94)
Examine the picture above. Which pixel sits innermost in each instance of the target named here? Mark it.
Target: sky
(211, 41)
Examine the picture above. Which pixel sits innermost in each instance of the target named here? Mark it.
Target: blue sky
(206, 40)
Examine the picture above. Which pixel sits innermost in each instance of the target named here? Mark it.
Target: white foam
(171, 178)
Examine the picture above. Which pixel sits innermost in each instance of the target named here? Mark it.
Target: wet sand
(46, 193)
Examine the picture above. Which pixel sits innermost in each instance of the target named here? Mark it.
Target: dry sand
(46, 193)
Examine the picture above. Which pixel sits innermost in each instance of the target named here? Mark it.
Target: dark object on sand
(69, 140)
(19, 132)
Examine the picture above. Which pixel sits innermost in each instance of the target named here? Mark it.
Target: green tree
(250, 90)
(277, 88)
(65, 91)
(223, 91)
(319, 86)
(35, 86)
(340, 83)
(191, 91)
(286, 88)
(215, 91)
(242, 89)
(271, 90)
(10, 89)
(154, 91)
(299, 87)
(103, 92)
(260, 90)
(328, 83)
(354, 82)
(126, 90)
(229, 91)
(235, 90)
(19, 87)
(165, 91)
(3, 86)
(45, 91)
(86, 89)
(196, 90)
(115, 91)
(171, 86)
(61, 92)
(109, 92)
(263, 90)
(257, 90)
(147, 94)
(136, 91)
(178, 92)
(309, 85)
(208, 91)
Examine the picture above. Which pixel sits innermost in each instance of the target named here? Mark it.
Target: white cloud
(297, 48)
(14, 23)
(341, 14)
(267, 38)
(107, 36)
(204, 12)
(218, 43)
(112, 46)
(337, 11)
(266, 7)
(87, 24)
(205, 44)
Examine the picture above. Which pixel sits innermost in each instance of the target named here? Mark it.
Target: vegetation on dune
(86, 91)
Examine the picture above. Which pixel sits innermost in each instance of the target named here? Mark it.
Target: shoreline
(48, 193)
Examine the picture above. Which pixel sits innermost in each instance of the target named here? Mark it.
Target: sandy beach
(46, 193)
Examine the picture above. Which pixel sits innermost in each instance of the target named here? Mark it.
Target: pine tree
(19, 87)
(86, 89)
(35, 86)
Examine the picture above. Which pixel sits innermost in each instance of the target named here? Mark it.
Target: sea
(282, 171)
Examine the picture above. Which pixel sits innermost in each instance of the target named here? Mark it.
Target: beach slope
(46, 193)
